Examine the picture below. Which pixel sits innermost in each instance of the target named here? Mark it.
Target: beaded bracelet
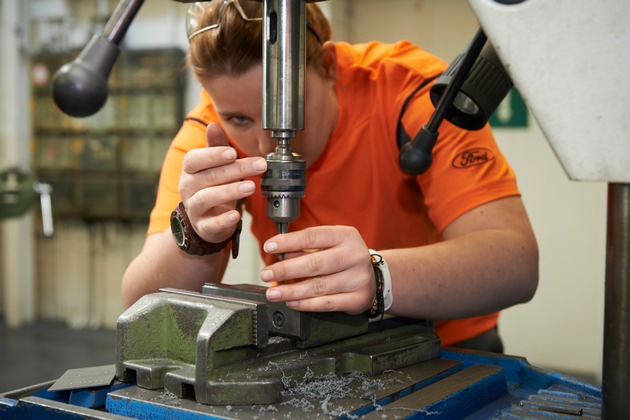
(378, 306)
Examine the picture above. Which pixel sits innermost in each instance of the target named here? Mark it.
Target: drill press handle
(80, 87)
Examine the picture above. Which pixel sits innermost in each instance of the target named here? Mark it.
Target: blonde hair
(236, 45)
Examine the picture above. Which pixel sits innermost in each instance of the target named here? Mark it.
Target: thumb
(215, 136)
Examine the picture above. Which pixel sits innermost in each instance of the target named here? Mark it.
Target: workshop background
(103, 171)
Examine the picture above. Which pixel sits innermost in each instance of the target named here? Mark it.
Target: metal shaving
(269, 408)
(324, 390)
(301, 403)
(169, 398)
(264, 410)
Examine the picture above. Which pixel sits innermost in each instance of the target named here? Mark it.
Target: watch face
(177, 227)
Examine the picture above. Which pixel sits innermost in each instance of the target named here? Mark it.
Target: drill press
(284, 56)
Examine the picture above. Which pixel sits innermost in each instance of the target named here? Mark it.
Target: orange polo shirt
(357, 181)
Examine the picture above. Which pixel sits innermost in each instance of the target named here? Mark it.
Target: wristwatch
(188, 241)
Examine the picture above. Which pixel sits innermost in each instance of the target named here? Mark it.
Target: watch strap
(193, 244)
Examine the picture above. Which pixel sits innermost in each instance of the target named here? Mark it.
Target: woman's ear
(329, 60)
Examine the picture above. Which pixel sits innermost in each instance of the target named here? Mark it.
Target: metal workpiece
(308, 329)
(220, 350)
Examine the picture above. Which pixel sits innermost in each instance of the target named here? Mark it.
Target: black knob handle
(80, 87)
(416, 156)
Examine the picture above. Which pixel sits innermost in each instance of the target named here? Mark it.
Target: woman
(456, 240)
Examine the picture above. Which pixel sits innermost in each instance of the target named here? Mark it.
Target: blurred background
(59, 294)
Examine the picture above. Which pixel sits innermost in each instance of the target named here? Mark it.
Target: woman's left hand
(333, 266)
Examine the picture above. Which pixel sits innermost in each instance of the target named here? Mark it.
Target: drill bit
(283, 227)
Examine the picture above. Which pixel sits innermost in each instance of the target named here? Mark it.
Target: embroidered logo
(473, 157)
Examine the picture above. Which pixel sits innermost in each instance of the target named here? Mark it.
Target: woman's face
(238, 102)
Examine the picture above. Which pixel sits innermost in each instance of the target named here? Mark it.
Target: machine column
(616, 366)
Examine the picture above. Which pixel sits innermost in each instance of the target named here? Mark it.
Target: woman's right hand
(212, 181)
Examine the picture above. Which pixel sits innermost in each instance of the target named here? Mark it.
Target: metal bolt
(278, 319)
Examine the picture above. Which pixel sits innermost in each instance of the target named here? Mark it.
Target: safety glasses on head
(245, 8)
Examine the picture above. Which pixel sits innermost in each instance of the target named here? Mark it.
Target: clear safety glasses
(196, 10)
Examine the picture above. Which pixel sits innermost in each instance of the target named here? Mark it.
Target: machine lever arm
(416, 156)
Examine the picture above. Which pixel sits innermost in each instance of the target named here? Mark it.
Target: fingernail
(266, 275)
(293, 304)
(229, 154)
(273, 294)
(270, 246)
(259, 165)
(233, 217)
(246, 187)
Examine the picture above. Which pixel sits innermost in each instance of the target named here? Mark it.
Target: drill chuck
(283, 185)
